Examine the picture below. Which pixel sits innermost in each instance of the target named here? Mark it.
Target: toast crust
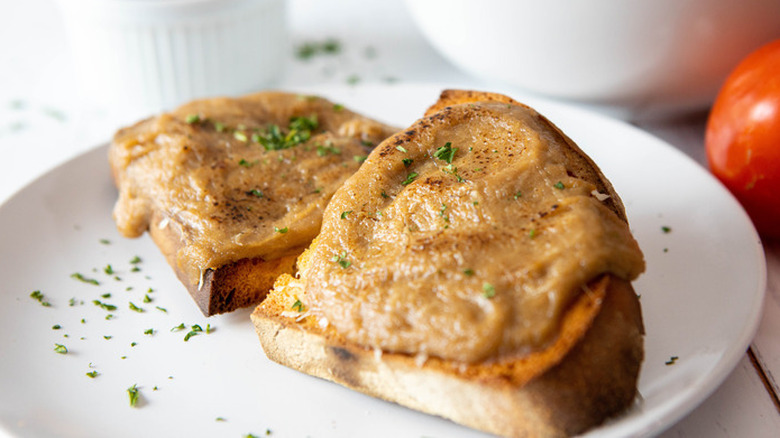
(588, 375)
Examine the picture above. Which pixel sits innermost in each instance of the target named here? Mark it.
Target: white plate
(701, 298)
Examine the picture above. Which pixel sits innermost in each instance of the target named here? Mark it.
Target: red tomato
(743, 137)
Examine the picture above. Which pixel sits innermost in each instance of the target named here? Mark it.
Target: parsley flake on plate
(80, 277)
(133, 394)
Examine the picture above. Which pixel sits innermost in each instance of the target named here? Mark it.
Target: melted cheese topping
(474, 248)
(227, 195)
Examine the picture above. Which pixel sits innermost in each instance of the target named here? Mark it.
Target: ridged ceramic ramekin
(151, 55)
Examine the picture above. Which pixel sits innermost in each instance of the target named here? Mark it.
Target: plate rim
(669, 414)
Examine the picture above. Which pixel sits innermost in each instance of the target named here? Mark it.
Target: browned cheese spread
(466, 237)
(240, 178)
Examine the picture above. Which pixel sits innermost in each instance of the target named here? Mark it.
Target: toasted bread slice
(588, 375)
(232, 189)
(477, 267)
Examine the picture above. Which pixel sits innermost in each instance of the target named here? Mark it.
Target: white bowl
(150, 55)
(640, 58)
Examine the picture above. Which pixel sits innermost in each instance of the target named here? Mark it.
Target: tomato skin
(742, 138)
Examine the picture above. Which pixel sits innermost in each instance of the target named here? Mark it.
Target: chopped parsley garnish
(92, 374)
(61, 349)
(488, 290)
(310, 49)
(106, 295)
(468, 272)
(518, 194)
(219, 126)
(84, 279)
(353, 79)
(56, 327)
(442, 212)
(135, 308)
(179, 327)
(255, 192)
(38, 296)
(194, 331)
(559, 185)
(666, 229)
(306, 51)
(105, 241)
(331, 46)
(344, 214)
(107, 337)
(220, 419)
(367, 143)
(341, 259)
(147, 299)
(105, 306)
(446, 152)
(299, 131)
(281, 230)
(192, 118)
(401, 148)
(407, 162)
(298, 305)
(149, 331)
(532, 233)
(360, 158)
(338, 107)
(246, 163)
(132, 392)
(452, 170)
(326, 149)
(161, 309)
(409, 178)
(384, 195)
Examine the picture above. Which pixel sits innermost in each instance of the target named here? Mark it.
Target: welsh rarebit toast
(476, 267)
(232, 189)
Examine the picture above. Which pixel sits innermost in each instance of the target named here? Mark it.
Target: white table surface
(43, 123)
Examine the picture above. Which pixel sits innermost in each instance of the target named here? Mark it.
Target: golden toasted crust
(564, 392)
(233, 286)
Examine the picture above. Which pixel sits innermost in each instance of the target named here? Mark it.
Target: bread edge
(594, 381)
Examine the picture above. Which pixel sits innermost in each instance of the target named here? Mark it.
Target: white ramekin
(151, 55)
